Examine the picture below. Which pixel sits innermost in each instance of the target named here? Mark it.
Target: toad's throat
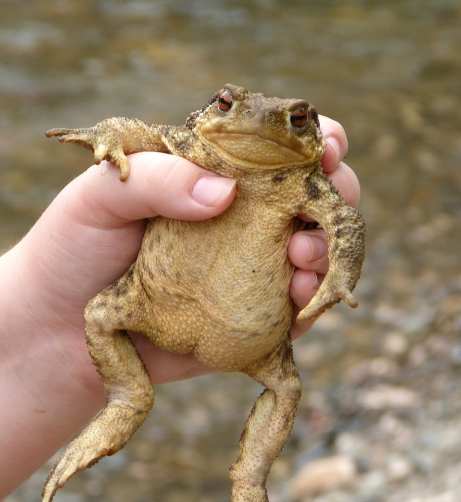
(251, 148)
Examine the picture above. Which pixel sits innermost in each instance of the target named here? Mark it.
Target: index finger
(336, 143)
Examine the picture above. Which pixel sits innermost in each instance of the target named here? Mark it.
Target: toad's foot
(104, 139)
(106, 435)
(329, 294)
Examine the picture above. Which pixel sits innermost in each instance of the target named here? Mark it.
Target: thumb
(158, 184)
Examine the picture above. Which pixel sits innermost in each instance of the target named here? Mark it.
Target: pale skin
(84, 241)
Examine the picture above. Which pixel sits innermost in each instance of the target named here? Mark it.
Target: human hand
(85, 240)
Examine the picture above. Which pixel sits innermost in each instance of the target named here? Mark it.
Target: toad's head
(253, 131)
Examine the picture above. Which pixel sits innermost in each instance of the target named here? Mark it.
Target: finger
(166, 366)
(297, 330)
(308, 250)
(346, 181)
(303, 288)
(336, 143)
(158, 184)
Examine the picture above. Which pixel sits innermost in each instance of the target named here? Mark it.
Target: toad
(217, 288)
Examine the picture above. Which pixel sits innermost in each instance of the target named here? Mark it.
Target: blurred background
(381, 407)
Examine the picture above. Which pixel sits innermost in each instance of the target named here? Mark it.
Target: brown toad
(217, 288)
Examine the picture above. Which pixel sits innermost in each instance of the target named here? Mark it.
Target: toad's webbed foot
(104, 139)
(106, 435)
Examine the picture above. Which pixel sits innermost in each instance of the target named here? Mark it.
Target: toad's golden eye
(299, 117)
(225, 101)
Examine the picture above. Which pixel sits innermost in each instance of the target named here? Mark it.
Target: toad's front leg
(269, 424)
(345, 229)
(113, 139)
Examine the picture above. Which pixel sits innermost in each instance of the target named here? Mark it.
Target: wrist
(45, 370)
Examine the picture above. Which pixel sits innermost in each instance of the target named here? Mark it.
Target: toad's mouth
(252, 149)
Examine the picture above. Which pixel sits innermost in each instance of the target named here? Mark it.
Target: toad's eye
(299, 118)
(225, 101)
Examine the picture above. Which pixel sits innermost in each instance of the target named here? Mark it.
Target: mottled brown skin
(218, 288)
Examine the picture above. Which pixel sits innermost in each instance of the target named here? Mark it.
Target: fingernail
(212, 190)
(318, 248)
(317, 282)
(334, 143)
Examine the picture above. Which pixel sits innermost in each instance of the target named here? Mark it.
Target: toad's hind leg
(269, 424)
(129, 392)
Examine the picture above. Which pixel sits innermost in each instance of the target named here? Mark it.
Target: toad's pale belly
(215, 292)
